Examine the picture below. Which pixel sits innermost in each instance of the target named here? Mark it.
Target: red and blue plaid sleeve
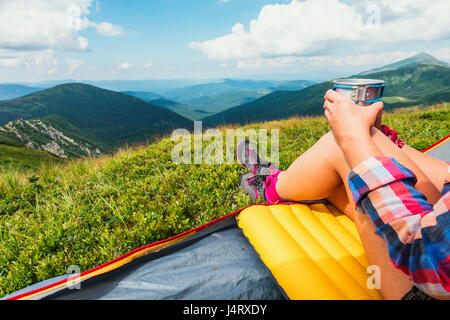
(417, 234)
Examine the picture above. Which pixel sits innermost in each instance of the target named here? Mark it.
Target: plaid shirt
(417, 234)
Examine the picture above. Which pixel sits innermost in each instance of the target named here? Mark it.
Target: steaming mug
(361, 91)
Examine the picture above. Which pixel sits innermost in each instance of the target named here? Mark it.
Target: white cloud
(48, 24)
(284, 32)
(148, 65)
(108, 29)
(124, 66)
(92, 68)
(39, 62)
(364, 59)
(73, 64)
(441, 54)
(11, 59)
(43, 24)
(43, 62)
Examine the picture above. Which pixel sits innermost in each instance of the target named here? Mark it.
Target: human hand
(379, 119)
(350, 122)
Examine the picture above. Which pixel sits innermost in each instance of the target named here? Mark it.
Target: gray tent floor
(441, 152)
(219, 266)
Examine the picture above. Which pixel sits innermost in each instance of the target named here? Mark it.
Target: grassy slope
(22, 159)
(90, 211)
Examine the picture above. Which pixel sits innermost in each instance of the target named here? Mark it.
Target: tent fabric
(313, 251)
(440, 150)
(196, 269)
(213, 261)
(221, 265)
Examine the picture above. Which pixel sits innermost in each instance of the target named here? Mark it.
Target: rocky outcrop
(39, 135)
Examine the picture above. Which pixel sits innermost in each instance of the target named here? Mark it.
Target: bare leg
(319, 172)
(327, 159)
(432, 167)
(313, 175)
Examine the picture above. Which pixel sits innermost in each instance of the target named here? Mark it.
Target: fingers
(377, 106)
(332, 95)
(327, 105)
(327, 114)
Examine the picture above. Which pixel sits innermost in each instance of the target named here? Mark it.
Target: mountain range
(109, 117)
(78, 120)
(182, 109)
(185, 96)
(421, 58)
(221, 95)
(11, 91)
(407, 83)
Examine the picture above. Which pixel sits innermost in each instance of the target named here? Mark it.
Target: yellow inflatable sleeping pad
(313, 251)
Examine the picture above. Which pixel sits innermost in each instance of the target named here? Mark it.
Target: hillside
(16, 159)
(12, 91)
(421, 58)
(182, 109)
(112, 118)
(146, 96)
(277, 105)
(218, 96)
(52, 134)
(418, 84)
(226, 100)
(413, 85)
(214, 88)
(91, 211)
(186, 111)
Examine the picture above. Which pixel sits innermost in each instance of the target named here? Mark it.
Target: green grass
(398, 99)
(15, 158)
(87, 212)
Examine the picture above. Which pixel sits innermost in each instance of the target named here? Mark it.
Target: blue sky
(206, 39)
(159, 32)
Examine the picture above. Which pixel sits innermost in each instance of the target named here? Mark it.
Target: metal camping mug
(361, 91)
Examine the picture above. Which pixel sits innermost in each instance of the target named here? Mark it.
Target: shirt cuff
(374, 173)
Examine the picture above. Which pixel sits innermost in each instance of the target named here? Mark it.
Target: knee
(330, 148)
(379, 137)
(328, 138)
(374, 132)
(329, 142)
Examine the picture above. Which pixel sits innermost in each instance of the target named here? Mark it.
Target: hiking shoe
(248, 157)
(253, 185)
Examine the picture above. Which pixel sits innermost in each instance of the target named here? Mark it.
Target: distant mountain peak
(420, 58)
(424, 55)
